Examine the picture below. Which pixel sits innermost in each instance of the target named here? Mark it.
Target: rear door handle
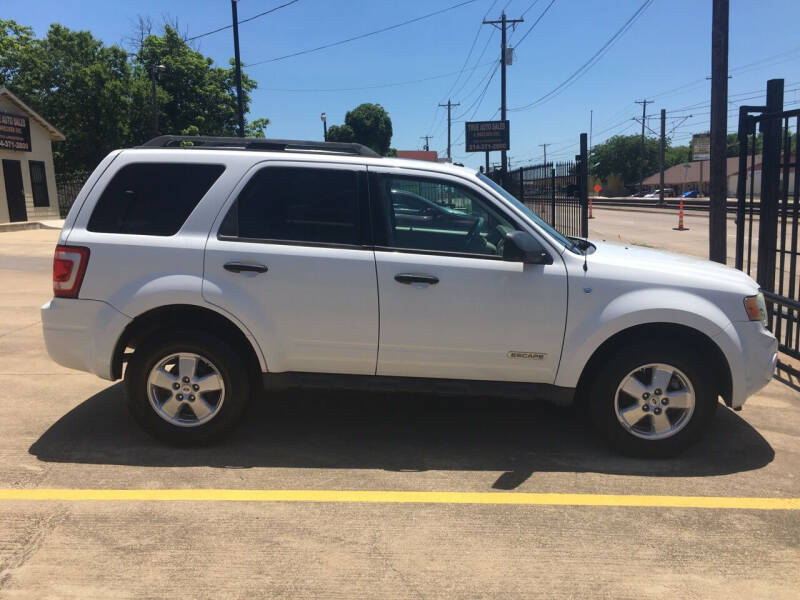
(237, 267)
(409, 278)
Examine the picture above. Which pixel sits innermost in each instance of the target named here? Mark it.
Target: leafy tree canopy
(256, 128)
(367, 124)
(100, 96)
(625, 156)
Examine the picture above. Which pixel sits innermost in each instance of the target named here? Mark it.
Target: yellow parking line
(521, 498)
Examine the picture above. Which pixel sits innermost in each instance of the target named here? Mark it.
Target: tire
(637, 414)
(198, 411)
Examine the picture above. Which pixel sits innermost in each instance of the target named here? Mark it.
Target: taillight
(69, 266)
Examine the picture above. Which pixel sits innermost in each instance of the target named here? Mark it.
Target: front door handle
(409, 278)
(237, 267)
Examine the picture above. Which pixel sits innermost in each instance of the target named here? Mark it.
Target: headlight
(756, 308)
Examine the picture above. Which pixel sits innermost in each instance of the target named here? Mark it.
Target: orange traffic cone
(590, 208)
(680, 226)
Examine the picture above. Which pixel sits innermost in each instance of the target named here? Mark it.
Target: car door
(450, 306)
(292, 260)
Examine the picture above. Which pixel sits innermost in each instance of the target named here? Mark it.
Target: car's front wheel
(186, 387)
(652, 400)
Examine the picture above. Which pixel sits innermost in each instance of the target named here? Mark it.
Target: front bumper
(82, 334)
(752, 353)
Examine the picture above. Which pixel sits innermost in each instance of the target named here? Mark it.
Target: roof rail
(239, 143)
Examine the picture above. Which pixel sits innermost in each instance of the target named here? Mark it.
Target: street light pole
(153, 71)
(238, 65)
(324, 119)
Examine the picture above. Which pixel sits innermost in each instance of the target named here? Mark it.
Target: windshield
(528, 212)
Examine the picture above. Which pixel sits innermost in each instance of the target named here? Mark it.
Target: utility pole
(545, 151)
(239, 99)
(591, 118)
(661, 157)
(487, 162)
(427, 139)
(644, 104)
(449, 105)
(718, 184)
(504, 60)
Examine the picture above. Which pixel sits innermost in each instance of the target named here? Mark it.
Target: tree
(624, 155)
(76, 83)
(191, 90)
(100, 96)
(675, 155)
(340, 133)
(256, 128)
(367, 124)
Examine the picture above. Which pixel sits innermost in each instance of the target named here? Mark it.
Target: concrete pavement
(68, 430)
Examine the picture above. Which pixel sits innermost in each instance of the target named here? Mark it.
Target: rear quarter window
(152, 198)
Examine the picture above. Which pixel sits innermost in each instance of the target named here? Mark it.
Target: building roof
(430, 155)
(675, 174)
(55, 134)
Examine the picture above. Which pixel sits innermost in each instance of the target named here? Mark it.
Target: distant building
(696, 177)
(27, 184)
(429, 155)
(679, 178)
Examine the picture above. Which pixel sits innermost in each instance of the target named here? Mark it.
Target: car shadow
(326, 430)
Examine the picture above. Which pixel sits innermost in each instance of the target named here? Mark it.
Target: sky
(663, 55)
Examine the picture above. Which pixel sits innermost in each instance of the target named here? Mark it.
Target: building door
(15, 195)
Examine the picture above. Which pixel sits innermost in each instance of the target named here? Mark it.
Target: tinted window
(426, 214)
(297, 204)
(152, 198)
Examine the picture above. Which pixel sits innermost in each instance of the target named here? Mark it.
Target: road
(68, 442)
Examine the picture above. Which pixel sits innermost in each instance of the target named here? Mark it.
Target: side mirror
(521, 246)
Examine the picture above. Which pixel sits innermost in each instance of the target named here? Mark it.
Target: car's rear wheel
(186, 387)
(652, 400)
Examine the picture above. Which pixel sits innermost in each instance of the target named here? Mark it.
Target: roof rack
(240, 143)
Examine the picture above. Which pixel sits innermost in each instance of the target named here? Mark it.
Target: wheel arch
(665, 331)
(185, 316)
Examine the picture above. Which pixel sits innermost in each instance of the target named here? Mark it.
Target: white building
(27, 183)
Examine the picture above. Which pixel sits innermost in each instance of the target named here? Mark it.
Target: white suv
(216, 268)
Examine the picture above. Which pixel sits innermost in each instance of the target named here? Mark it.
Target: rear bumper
(81, 334)
(752, 354)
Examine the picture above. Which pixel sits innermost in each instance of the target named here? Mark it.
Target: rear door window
(297, 204)
(152, 198)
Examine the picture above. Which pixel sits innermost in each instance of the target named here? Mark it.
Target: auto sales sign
(487, 136)
(15, 132)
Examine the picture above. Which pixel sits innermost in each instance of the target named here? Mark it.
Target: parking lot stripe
(400, 497)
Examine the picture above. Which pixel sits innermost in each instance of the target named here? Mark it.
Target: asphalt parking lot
(374, 496)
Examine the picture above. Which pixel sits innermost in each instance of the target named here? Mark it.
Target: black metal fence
(67, 187)
(767, 228)
(556, 192)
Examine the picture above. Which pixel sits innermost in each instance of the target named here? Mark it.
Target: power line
(449, 93)
(592, 60)
(490, 74)
(261, 14)
(361, 36)
(376, 86)
(544, 12)
(469, 54)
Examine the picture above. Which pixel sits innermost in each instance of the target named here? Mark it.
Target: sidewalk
(27, 225)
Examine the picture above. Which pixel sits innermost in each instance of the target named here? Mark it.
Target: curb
(30, 225)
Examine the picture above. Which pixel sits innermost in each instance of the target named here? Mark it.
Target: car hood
(638, 262)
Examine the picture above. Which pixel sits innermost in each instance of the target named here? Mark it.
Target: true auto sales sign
(15, 132)
(487, 136)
